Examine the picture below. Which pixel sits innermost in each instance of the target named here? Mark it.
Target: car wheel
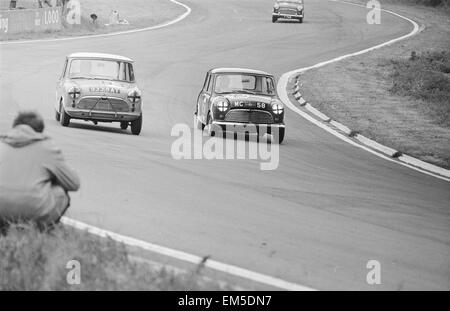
(198, 124)
(136, 126)
(57, 114)
(274, 19)
(208, 126)
(300, 20)
(280, 138)
(123, 125)
(64, 118)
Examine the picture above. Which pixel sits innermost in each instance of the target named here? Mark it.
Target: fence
(29, 20)
(27, 4)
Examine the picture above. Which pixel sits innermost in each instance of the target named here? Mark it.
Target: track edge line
(183, 256)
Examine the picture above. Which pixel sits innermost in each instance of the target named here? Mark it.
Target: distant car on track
(237, 98)
(288, 9)
(99, 88)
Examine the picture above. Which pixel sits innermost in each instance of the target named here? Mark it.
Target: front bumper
(99, 115)
(287, 16)
(247, 127)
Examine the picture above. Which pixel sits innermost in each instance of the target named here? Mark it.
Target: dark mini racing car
(237, 99)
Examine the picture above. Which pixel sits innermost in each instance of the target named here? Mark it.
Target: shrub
(426, 77)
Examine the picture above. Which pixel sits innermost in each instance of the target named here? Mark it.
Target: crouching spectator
(34, 178)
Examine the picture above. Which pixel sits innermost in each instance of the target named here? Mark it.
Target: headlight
(276, 6)
(300, 8)
(134, 96)
(222, 104)
(74, 92)
(277, 107)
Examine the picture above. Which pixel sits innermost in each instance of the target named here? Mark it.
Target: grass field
(432, 3)
(424, 77)
(139, 14)
(32, 260)
(398, 95)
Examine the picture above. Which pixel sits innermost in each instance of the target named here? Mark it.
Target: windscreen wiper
(244, 92)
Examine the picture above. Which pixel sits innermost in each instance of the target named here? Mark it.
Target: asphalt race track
(317, 220)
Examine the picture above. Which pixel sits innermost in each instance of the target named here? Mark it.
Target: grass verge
(398, 95)
(32, 260)
(139, 14)
(424, 77)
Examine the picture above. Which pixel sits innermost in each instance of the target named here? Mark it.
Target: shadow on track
(90, 126)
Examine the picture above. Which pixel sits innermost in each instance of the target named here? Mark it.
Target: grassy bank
(432, 3)
(31, 260)
(398, 95)
(424, 77)
(138, 13)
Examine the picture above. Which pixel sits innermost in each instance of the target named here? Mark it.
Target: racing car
(99, 88)
(288, 9)
(236, 99)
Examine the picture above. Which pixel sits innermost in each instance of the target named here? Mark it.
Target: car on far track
(288, 9)
(99, 88)
(236, 100)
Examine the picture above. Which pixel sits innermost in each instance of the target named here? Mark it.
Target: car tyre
(64, 117)
(209, 127)
(57, 115)
(123, 125)
(136, 126)
(300, 20)
(197, 123)
(274, 19)
(280, 137)
(281, 134)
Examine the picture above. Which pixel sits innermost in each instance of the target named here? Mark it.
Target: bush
(426, 77)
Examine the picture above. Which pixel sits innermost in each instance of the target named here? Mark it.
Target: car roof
(100, 55)
(239, 70)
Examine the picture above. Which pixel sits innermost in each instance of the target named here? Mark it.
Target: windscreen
(244, 83)
(101, 69)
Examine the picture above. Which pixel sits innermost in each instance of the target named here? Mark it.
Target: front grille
(288, 11)
(110, 104)
(249, 116)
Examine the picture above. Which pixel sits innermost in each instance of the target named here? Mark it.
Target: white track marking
(171, 22)
(341, 127)
(374, 145)
(212, 264)
(283, 82)
(337, 59)
(317, 113)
